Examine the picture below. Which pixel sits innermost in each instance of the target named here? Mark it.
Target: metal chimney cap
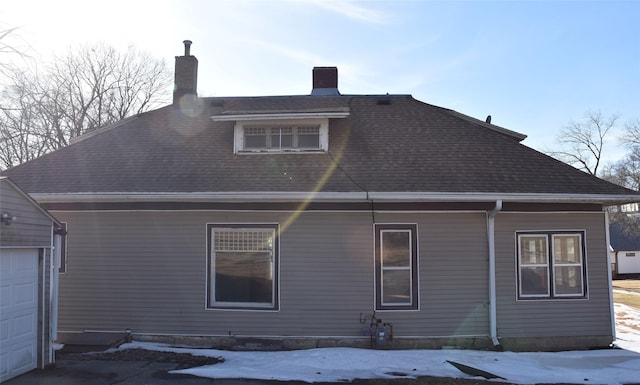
(187, 47)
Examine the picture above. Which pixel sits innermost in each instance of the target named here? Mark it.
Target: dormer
(287, 124)
(296, 132)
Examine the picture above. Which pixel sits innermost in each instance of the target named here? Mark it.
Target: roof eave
(279, 196)
(604, 199)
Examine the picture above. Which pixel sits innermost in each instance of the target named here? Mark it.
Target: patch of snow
(627, 328)
(610, 366)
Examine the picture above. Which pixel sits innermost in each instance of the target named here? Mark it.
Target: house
(28, 282)
(625, 250)
(301, 221)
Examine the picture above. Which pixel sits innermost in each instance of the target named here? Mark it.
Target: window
(296, 135)
(308, 137)
(396, 267)
(551, 265)
(243, 266)
(282, 138)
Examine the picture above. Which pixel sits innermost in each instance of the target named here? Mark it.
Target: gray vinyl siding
(32, 228)
(453, 271)
(554, 317)
(146, 272)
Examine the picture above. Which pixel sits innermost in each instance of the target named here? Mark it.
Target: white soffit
(279, 116)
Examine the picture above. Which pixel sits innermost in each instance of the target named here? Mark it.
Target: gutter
(353, 196)
(493, 326)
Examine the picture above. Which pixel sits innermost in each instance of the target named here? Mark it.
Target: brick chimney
(325, 81)
(186, 74)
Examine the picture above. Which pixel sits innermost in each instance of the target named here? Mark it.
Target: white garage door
(18, 311)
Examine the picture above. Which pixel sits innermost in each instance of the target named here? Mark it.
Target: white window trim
(412, 229)
(545, 265)
(238, 135)
(408, 268)
(211, 303)
(580, 265)
(551, 265)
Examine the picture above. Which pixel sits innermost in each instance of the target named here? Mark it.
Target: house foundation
(298, 343)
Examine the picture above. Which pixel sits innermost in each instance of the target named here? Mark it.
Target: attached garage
(28, 282)
(18, 311)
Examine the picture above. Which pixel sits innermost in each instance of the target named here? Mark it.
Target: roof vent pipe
(187, 47)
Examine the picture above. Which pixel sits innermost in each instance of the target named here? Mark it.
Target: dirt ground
(627, 284)
(182, 360)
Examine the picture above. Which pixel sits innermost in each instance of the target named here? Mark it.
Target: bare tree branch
(582, 142)
(11, 45)
(632, 134)
(85, 89)
(626, 172)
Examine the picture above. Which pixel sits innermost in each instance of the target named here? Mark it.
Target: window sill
(244, 308)
(288, 151)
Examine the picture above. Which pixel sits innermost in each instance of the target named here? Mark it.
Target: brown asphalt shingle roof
(405, 146)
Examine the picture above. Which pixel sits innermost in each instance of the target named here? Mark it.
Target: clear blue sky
(534, 66)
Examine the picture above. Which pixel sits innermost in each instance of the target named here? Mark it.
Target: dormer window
(285, 136)
(300, 132)
(305, 137)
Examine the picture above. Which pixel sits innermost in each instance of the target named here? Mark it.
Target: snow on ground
(627, 328)
(609, 366)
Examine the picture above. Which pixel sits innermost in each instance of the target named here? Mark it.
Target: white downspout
(53, 295)
(43, 292)
(609, 273)
(493, 326)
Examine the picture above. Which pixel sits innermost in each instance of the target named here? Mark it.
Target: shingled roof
(622, 240)
(400, 146)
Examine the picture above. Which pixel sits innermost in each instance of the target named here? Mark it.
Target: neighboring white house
(625, 251)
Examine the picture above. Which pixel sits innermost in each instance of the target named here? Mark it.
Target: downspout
(43, 257)
(610, 278)
(53, 301)
(53, 293)
(493, 327)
